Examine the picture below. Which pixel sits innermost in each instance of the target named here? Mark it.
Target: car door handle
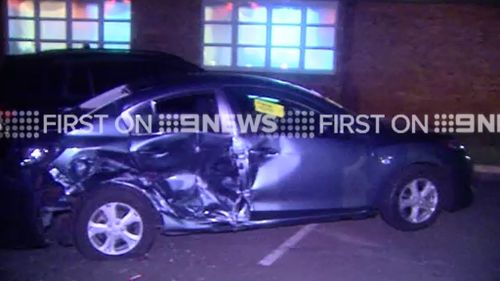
(267, 152)
(154, 154)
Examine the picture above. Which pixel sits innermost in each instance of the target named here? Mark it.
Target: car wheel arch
(143, 193)
(446, 188)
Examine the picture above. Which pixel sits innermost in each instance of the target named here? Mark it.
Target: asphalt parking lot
(460, 246)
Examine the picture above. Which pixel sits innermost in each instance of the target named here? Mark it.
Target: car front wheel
(114, 223)
(412, 201)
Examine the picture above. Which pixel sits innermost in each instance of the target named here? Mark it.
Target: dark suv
(50, 82)
(65, 78)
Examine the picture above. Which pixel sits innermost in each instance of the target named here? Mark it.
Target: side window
(195, 103)
(291, 117)
(164, 112)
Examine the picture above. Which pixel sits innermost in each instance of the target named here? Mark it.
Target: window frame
(267, 91)
(68, 20)
(149, 104)
(270, 5)
(237, 93)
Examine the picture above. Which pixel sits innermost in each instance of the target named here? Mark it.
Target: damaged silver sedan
(122, 180)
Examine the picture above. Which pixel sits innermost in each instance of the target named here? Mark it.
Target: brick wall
(394, 57)
(168, 25)
(175, 26)
(425, 58)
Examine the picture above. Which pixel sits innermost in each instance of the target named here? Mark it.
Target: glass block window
(269, 35)
(38, 25)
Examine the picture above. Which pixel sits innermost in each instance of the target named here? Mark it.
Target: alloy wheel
(418, 200)
(115, 228)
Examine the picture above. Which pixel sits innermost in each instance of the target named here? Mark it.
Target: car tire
(412, 199)
(113, 223)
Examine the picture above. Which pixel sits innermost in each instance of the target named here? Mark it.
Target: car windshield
(105, 99)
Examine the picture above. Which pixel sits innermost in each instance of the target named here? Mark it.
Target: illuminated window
(267, 35)
(38, 25)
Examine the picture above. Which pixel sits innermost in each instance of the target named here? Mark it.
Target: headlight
(80, 168)
(34, 155)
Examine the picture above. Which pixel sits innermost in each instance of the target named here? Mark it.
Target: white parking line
(285, 246)
(487, 169)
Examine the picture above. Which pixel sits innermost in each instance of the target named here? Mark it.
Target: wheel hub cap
(418, 200)
(115, 228)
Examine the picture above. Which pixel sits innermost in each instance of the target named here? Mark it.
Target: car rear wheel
(115, 223)
(412, 200)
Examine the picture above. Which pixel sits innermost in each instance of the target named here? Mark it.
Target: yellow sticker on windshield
(269, 108)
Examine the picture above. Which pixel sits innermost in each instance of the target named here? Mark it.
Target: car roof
(148, 89)
(155, 56)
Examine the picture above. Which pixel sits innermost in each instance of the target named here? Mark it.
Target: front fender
(391, 160)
